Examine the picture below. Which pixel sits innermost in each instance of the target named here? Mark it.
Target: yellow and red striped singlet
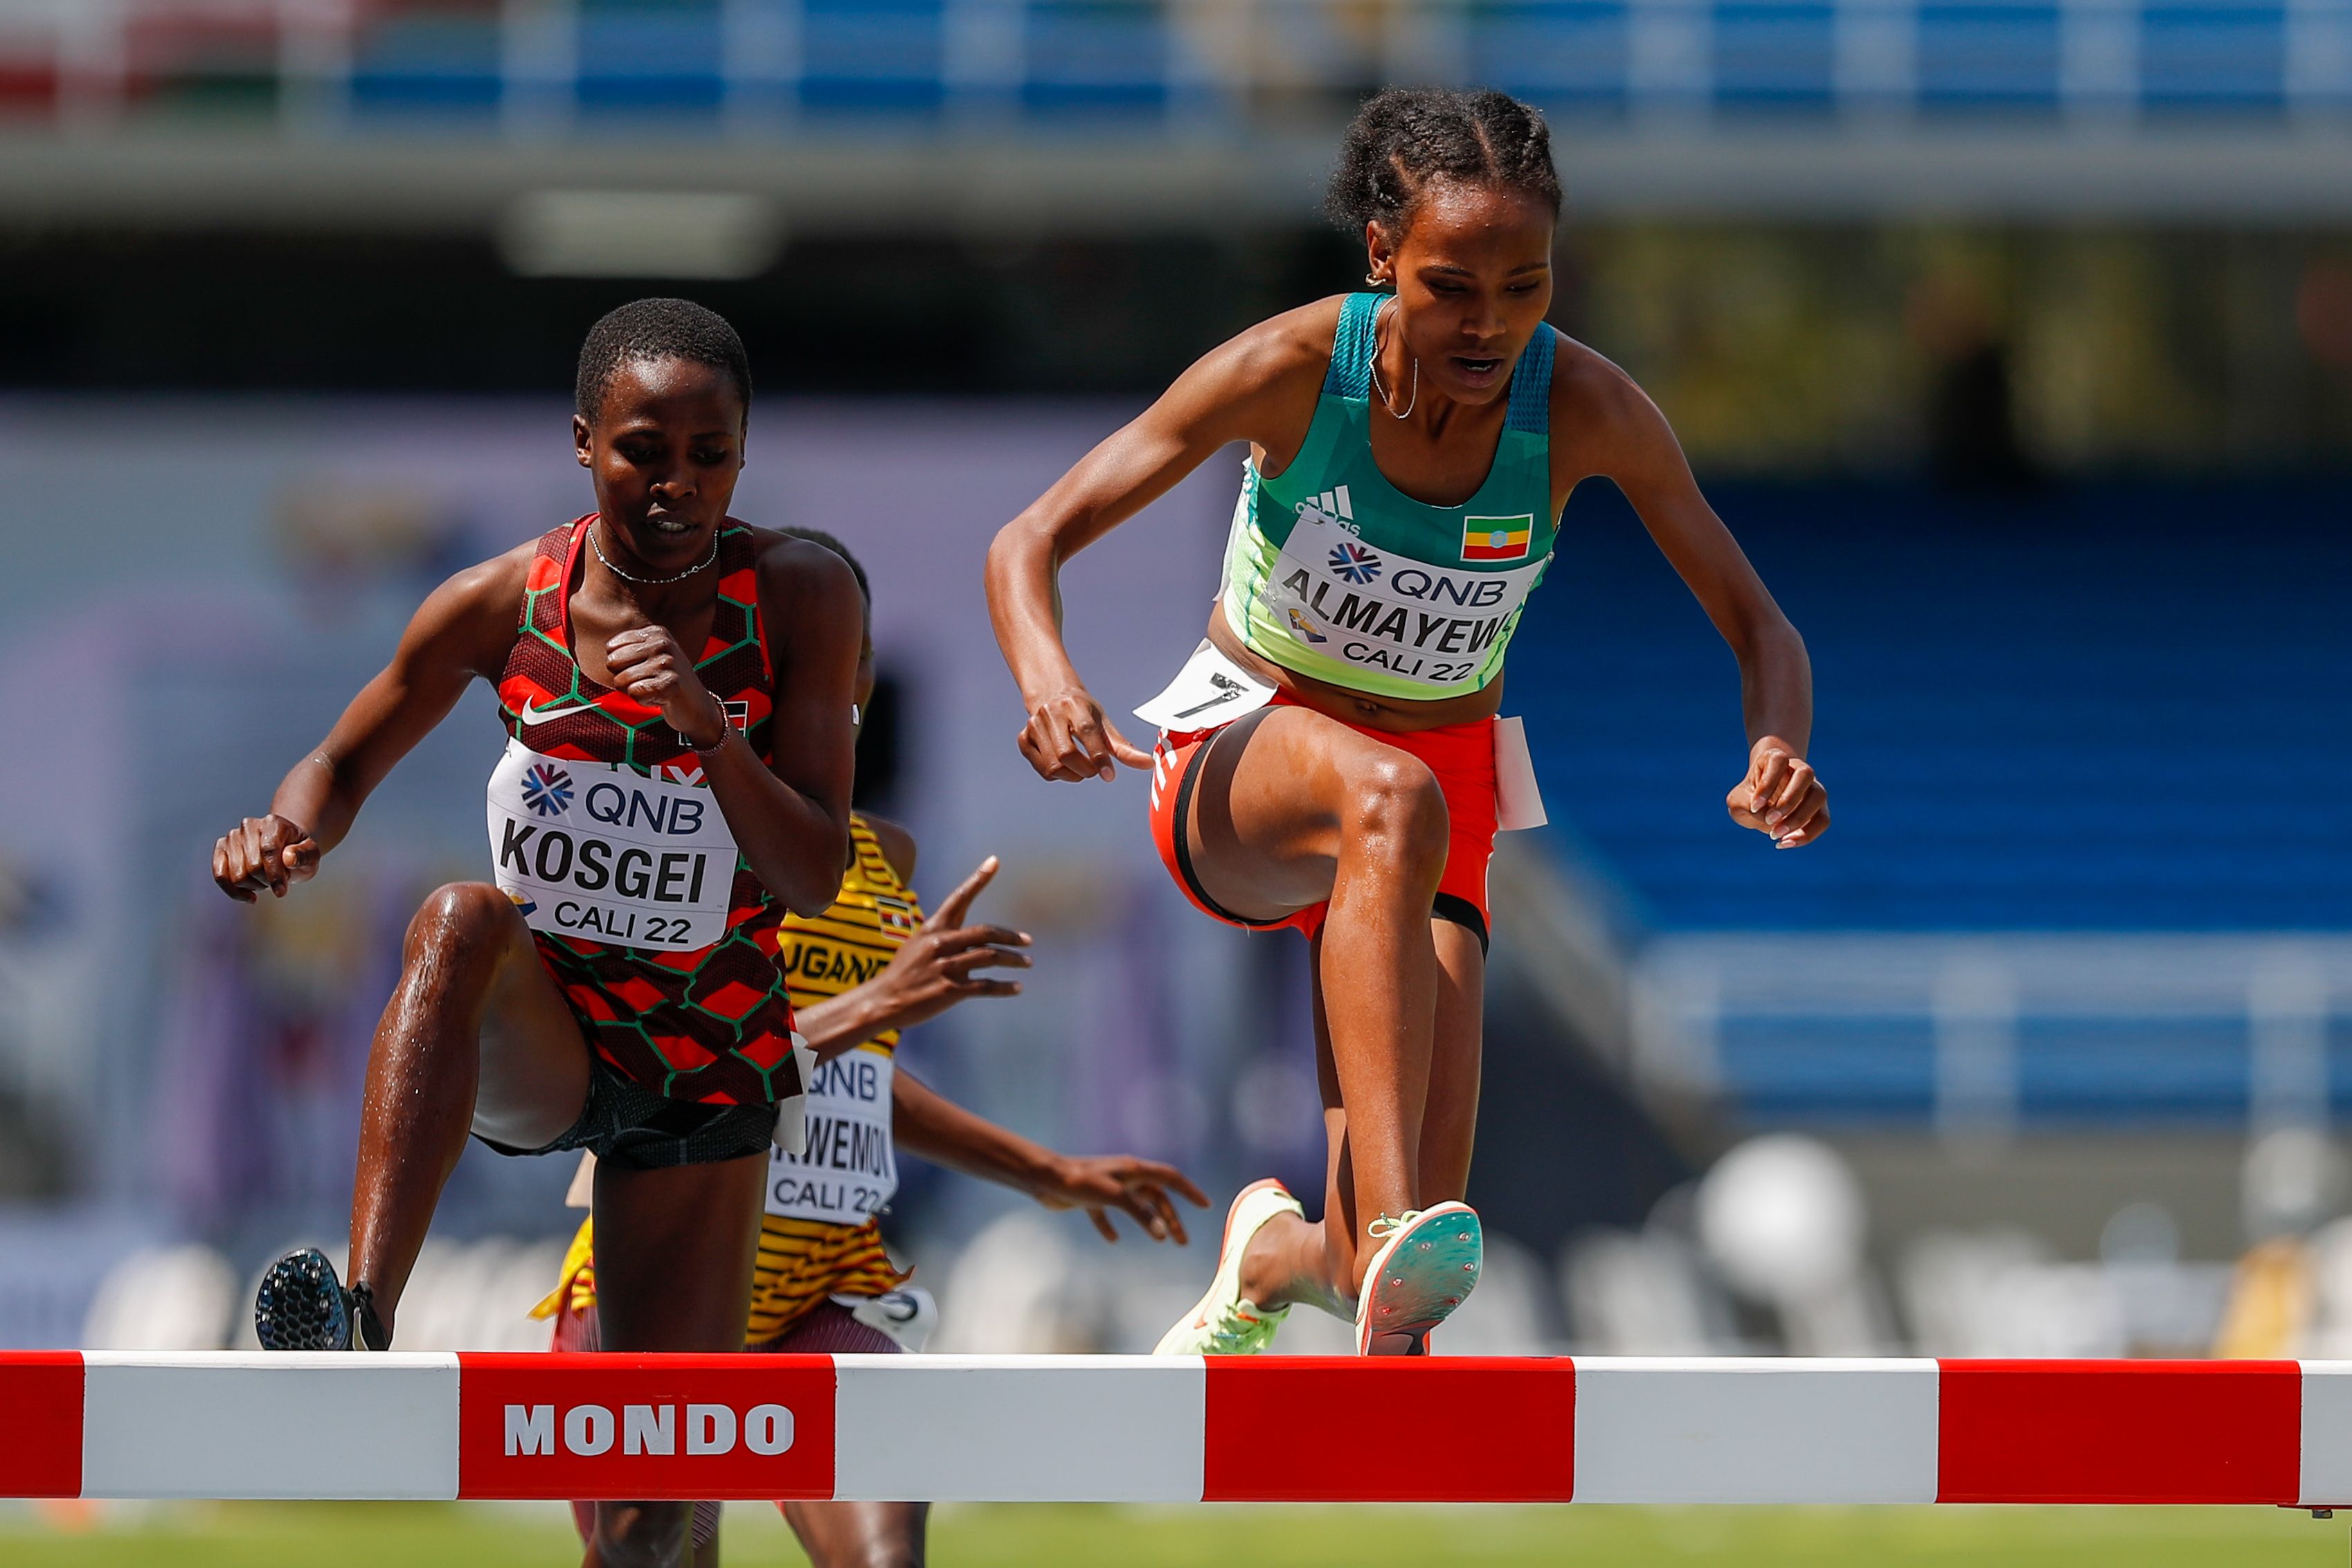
(802, 1261)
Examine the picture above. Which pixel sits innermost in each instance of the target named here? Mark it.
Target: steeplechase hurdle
(1144, 1429)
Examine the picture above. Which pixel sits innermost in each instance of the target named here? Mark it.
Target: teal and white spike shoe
(1427, 1265)
(1222, 1322)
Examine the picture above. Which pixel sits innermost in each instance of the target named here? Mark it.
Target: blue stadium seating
(1089, 63)
(2114, 706)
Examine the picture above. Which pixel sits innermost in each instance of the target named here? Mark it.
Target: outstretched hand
(1100, 1183)
(263, 853)
(1781, 797)
(1068, 738)
(937, 967)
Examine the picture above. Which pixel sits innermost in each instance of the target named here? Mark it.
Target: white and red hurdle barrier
(1135, 1428)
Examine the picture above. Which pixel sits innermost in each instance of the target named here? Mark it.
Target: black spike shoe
(301, 1305)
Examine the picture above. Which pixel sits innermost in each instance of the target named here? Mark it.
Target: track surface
(380, 1535)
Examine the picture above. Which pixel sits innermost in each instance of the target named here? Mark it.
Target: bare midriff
(1399, 716)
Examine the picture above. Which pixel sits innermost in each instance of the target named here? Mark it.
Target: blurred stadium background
(2013, 337)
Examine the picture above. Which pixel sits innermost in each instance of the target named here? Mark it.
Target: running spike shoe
(301, 1305)
(1427, 1265)
(1223, 1322)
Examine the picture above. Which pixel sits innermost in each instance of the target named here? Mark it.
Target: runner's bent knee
(460, 917)
(470, 957)
(1396, 812)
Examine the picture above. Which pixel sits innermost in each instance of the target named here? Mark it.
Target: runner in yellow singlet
(859, 973)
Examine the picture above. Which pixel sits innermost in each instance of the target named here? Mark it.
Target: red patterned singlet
(622, 846)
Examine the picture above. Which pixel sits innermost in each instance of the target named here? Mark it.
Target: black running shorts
(626, 1123)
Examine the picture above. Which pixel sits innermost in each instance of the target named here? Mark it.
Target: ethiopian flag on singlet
(1497, 539)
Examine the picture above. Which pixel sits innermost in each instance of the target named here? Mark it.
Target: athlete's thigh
(1450, 1121)
(1268, 806)
(859, 1534)
(675, 1250)
(534, 1059)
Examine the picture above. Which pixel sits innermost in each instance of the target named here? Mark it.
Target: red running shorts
(1461, 756)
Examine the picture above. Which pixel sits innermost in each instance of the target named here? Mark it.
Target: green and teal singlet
(1332, 572)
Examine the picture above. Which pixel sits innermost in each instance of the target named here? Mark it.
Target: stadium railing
(1981, 1034)
(1036, 65)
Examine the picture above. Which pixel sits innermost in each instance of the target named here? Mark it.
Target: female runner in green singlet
(1329, 759)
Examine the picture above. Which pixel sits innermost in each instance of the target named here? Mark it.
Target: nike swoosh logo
(529, 715)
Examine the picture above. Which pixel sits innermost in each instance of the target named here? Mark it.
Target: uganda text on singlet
(606, 833)
(1334, 572)
(820, 1237)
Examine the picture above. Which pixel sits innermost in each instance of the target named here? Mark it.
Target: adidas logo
(1334, 505)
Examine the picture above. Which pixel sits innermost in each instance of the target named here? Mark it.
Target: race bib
(847, 1171)
(602, 852)
(1209, 690)
(1431, 626)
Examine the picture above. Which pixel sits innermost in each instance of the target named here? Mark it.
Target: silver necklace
(1388, 402)
(650, 582)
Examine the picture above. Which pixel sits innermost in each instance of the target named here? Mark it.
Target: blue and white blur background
(2013, 337)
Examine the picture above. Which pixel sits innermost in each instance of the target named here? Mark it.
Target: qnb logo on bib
(849, 1170)
(1432, 624)
(606, 854)
(1354, 563)
(546, 789)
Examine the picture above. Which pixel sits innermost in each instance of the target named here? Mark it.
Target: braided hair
(1406, 139)
(657, 330)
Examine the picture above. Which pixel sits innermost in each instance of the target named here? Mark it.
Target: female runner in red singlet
(826, 1283)
(1331, 759)
(616, 987)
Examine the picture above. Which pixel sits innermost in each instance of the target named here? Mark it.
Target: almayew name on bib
(1414, 619)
